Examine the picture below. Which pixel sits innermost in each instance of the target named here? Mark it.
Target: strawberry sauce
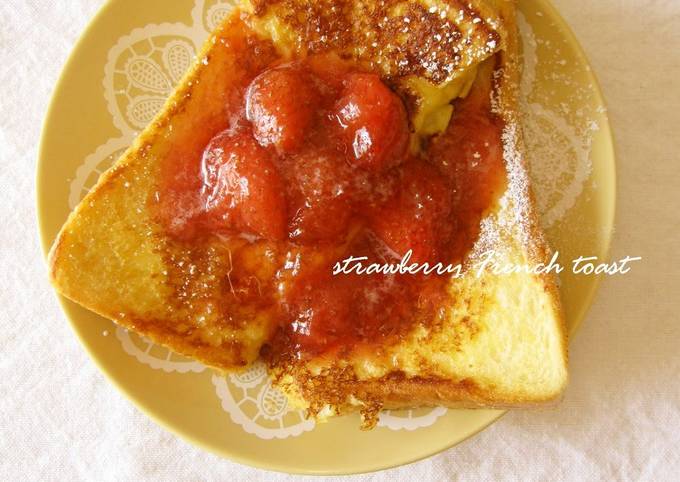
(315, 163)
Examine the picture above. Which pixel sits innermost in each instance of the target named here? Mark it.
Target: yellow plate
(127, 63)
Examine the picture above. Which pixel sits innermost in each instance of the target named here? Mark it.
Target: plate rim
(260, 463)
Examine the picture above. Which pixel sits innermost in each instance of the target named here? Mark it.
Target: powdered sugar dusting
(556, 140)
(558, 135)
(559, 162)
(516, 198)
(513, 219)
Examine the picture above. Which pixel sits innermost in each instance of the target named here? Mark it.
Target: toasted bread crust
(398, 38)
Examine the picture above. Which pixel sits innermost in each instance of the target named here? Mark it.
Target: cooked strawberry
(242, 189)
(321, 186)
(322, 310)
(281, 104)
(416, 216)
(373, 122)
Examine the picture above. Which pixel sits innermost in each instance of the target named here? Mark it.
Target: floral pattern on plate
(157, 357)
(257, 406)
(142, 69)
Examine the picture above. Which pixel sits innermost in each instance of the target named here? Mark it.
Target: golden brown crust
(398, 38)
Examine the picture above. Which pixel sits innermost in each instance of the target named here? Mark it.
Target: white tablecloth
(61, 420)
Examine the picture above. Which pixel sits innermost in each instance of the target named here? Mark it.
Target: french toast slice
(501, 343)
(498, 341)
